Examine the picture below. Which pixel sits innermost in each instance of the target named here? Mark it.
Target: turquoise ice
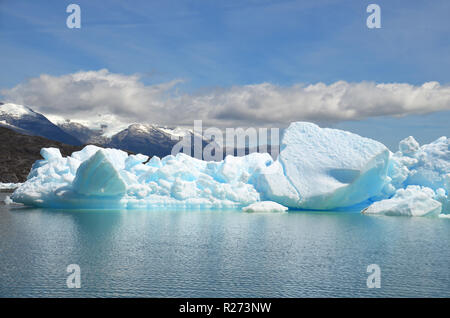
(317, 169)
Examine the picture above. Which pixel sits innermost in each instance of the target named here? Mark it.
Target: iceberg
(98, 178)
(412, 201)
(427, 166)
(7, 200)
(317, 169)
(324, 169)
(265, 206)
(9, 186)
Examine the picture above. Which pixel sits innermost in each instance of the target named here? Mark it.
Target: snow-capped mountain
(151, 139)
(83, 133)
(23, 119)
(148, 139)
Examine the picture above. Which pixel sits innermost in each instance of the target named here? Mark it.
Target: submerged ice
(317, 168)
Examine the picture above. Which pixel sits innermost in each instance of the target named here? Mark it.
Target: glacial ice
(317, 168)
(265, 206)
(412, 201)
(97, 178)
(7, 200)
(427, 166)
(328, 168)
(9, 186)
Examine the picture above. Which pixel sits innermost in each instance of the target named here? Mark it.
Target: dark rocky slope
(18, 152)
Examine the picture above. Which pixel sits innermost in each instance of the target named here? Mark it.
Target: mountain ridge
(148, 139)
(34, 123)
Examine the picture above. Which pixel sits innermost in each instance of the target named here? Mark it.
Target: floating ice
(428, 165)
(322, 168)
(9, 186)
(265, 206)
(443, 197)
(97, 178)
(7, 200)
(412, 201)
(317, 168)
(408, 146)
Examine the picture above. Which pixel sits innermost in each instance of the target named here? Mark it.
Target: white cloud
(98, 96)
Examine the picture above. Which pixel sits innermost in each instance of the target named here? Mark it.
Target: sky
(233, 63)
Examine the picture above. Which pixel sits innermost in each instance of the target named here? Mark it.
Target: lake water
(220, 254)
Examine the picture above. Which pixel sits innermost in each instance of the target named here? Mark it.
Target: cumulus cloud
(95, 95)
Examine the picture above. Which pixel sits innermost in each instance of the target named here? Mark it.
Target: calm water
(220, 254)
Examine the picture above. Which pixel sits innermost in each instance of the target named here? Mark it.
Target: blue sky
(221, 44)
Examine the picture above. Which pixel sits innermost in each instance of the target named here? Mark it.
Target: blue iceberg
(325, 169)
(416, 173)
(412, 201)
(317, 169)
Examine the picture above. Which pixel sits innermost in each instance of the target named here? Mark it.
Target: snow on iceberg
(412, 201)
(318, 168)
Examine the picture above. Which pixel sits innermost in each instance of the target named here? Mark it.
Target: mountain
(83, 133)
(23, 132)
(143, 138)
(150, 140)
(25, 120)
(19, 151)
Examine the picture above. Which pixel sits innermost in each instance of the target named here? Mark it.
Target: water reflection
(220, 253)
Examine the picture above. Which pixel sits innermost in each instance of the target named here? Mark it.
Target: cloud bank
(95, 95)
